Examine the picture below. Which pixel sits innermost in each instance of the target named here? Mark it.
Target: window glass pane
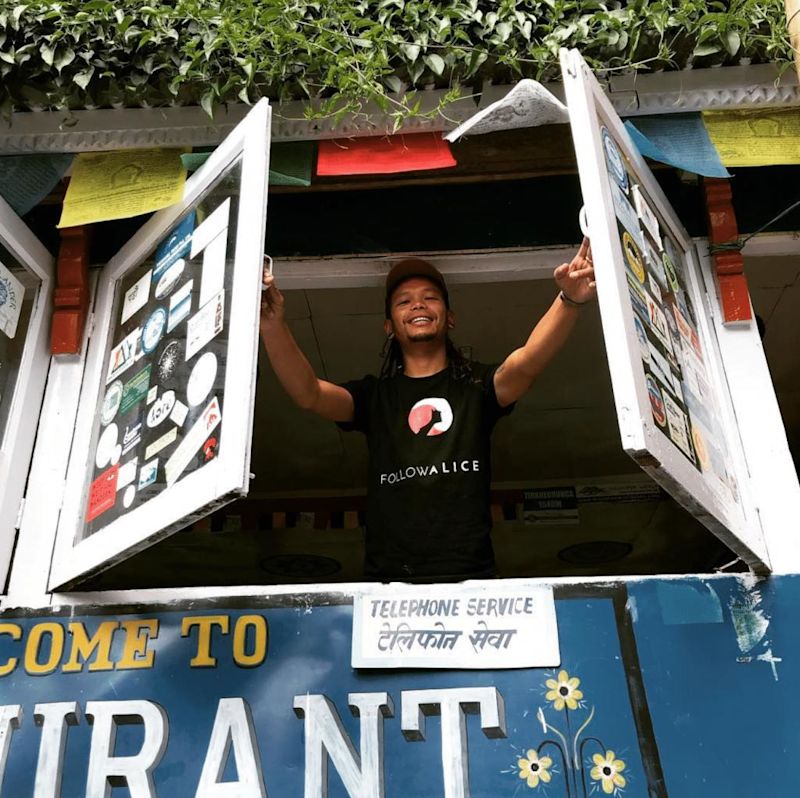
(17, 293)
(683, 403)
(159, 409)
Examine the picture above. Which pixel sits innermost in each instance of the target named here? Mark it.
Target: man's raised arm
(291, 366)
(577, 287)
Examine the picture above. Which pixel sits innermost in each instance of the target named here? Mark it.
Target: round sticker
(154, 329)
(111, 403)
(116, 454)
(202, 379)
(169, 360)
(616, 166)
(170, 278)
(106, 446)
(656, 402)
(641, 335)
(128, 496)
(161, 408)
(633, 256)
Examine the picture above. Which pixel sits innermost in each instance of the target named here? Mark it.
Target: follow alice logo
(431, 416)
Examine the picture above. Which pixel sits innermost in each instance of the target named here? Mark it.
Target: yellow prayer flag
(116, 185)
(755, 138)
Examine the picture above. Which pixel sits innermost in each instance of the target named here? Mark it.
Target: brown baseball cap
(413, 267)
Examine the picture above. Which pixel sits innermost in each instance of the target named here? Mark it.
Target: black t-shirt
(428, 511)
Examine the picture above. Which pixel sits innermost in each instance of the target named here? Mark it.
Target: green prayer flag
(290, 163)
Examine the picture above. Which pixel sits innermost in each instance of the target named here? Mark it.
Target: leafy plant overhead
(346, 53)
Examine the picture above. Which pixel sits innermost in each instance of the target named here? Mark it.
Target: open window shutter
(26, 289)
(675, 415)
(166, 411)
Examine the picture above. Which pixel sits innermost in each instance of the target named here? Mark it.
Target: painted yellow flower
(564, 690)
(534, 768)
(608, 771)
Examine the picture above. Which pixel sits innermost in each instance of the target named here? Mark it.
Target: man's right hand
(272, 300)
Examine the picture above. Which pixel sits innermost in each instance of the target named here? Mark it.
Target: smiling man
(428, 417)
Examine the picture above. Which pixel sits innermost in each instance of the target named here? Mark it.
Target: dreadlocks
(459, 366)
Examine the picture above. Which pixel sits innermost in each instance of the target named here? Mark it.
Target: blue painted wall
(675, 679)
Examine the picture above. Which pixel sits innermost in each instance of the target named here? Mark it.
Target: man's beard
(422, 338)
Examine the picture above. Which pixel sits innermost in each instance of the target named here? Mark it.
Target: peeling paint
(632, 609)
(751, 623)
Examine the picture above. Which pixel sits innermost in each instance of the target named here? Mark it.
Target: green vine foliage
(346, 54)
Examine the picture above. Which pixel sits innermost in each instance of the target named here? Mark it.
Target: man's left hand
(576, 278)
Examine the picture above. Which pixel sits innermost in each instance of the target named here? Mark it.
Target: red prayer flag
(383, 155)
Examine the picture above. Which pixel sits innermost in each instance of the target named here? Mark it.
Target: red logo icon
(431, 416)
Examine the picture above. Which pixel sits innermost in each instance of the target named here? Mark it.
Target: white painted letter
(136, 772)
(10, 718)
(54, 719)
(326, 738)
(453, 704)
(233, 725)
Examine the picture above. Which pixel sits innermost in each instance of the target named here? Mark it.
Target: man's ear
(451, 320)
(388, 329)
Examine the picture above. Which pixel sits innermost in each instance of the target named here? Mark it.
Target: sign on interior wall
(439, 626)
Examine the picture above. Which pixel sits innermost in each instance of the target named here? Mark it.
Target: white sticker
(205, 324)
(136, 297)
(211, 227)
(106, 446)
(213, 279)
(165, 440)
(153, 329)
(180, 304)
(116, 454)
(658, 324)
(128, 497)
(151, 395)
(678, 429)
(127, 473)
(111, 403)
(170, 278)
(161, 409)
(654, 264)
(147, 476)
(660, 368)
(178, 414)
(194, 439)
(12, 292)
(123, 355)
(627, 215)
(201, 380)
(131, 436)
(655, 289)
(645, 213)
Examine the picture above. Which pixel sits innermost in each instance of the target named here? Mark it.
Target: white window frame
(740, 527)
(227, 476)
(16, 446)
